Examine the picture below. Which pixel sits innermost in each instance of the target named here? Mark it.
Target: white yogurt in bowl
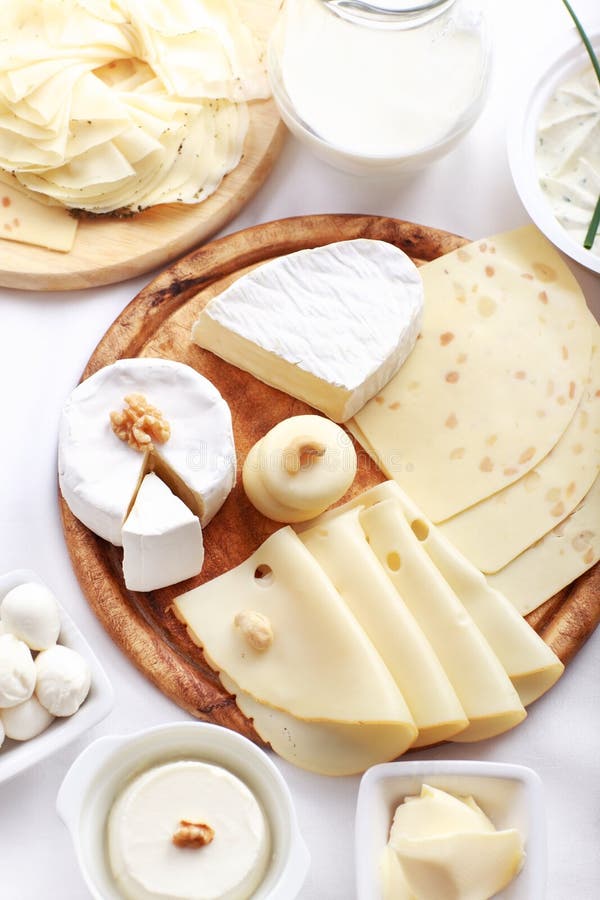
(187, 829)
(568, 152)
(133, 811)
(558, 181)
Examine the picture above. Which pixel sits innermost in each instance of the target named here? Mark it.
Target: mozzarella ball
(63, 680)
(17, 671)
(31, 613)
(26, 720)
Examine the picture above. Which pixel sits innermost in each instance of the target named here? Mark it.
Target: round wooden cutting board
(157, 323)
(108, 250)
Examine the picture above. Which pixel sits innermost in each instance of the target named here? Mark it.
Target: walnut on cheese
(299, 468)
(193, 834)
(301, 452)
(256, 628)
(139, 424)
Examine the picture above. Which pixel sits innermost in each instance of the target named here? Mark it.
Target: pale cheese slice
(320, 664)
(462, 866)
(562, 555)
(393, 883)
(327, 748)
(475, 672)
(342, 552)
(495, 379)
(528, 661)
(26, 221)
(496, 530)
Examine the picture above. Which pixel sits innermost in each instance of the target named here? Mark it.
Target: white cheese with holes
(100, 475)
(310, 669)
(162, 539)
(330, 326)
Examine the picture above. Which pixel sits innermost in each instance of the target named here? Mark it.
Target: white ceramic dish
(16, 756)
(567, 59)
(102, 770)
(512, 797)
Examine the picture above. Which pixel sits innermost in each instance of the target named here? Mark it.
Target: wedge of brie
(162, 539)
(330, 326)
(100, 475)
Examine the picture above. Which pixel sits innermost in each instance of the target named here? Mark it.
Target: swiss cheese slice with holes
(494, 380)
(320, 664)
(562, 555)
(327, 748)
(530, 664)
(497, 529)
(25, 220)
(344, 555)
(475, 672)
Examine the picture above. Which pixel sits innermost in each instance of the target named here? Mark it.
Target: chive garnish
(595, 223)
(593, 229)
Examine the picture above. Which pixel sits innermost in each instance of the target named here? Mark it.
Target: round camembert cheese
(100, 474)
(147, 857)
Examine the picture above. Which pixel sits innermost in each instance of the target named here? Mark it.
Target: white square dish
(512, 797)
(16, 756)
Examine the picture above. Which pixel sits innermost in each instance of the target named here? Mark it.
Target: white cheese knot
(299, 468)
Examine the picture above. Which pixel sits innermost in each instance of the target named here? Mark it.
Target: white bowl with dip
(567, 59)
(101, 773)
(17, 756)
(512, 797)
(379, 88)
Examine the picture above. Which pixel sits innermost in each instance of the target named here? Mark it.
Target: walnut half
(256, 628)
(193, 834)
(140, 424)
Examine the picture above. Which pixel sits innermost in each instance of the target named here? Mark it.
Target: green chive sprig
(595, 223)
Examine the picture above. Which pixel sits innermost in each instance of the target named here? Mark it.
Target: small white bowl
(16, 756)
(99, 774)
(568, 58)
(512, 797)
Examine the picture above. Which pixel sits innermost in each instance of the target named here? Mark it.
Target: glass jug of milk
(382, 87)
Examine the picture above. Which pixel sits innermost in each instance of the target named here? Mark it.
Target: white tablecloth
(45, 341)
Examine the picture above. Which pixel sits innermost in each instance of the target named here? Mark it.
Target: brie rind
(99, 474)
(162, 539)
(330, 326)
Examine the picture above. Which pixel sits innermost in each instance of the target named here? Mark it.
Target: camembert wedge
(329, 326)
(162, 539)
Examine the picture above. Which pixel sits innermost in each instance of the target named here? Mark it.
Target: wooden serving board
(107, 249)
(157, 323)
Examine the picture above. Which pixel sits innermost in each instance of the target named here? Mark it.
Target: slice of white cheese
(495, 378)
(329, 326)
(496, 530)
(327, 748)
(475, 672)
(162, 539)
(26, 221)
(470, 866)
(562, 555)
(528, 661)
(320, 664)
(344, 555)
(99, 474)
